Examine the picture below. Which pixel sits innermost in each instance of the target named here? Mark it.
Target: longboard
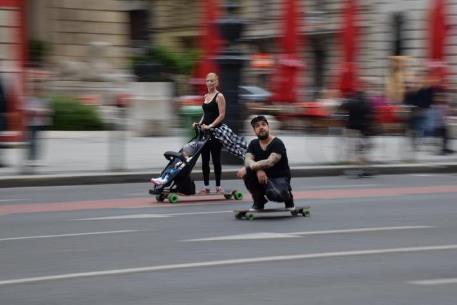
(251, 215)
(174, 197)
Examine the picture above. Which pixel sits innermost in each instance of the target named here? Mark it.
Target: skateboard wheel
(249, 216)
(306, 213)
(238, 216)
(294, 213)
(172, 198)
(238, 195)
(228, 196)
(160, 198)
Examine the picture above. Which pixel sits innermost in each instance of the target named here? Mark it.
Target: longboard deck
(173, 197)
(250, 215)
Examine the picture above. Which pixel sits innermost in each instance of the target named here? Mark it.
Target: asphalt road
(383, 240)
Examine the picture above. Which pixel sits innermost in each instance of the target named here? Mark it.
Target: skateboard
(173, 197)
(251, 215)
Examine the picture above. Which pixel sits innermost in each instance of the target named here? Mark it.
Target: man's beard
(263, 136)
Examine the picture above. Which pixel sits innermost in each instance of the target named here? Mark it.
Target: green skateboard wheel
(238, 195)
(172, 198)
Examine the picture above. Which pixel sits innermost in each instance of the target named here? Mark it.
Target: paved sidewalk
(91, 154)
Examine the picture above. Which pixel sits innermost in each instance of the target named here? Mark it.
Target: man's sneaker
(219, 190)
(290, 206)
(204, 190)
(255, 208)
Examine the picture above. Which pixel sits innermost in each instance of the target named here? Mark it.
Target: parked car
(252, 94)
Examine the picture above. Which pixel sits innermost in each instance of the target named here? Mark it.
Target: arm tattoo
(267, 163)
(248, 160)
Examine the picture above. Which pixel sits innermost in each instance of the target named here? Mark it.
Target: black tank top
(210, 111)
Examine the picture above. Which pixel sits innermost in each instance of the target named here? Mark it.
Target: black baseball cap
(258, 118)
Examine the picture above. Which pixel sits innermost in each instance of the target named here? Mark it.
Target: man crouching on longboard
(266, 171)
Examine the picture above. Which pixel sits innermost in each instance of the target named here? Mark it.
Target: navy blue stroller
(176, 175)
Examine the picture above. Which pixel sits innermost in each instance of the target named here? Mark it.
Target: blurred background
(121, 74)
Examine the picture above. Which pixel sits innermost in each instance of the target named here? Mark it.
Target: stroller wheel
(172, 198)
(160, 198)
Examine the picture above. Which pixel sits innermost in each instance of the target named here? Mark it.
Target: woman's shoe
(204, 190)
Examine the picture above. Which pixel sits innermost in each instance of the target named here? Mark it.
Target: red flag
(285, 82)
(437, 39)
(349, 33)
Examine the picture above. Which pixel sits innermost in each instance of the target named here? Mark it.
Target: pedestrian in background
(3, 112)
(359, 128)
(440, 111)
(38, 118)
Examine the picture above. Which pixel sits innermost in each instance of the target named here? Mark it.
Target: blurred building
(388, 27)
(67, 27)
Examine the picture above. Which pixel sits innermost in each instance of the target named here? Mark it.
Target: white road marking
(423, 175)
(267, 235)
(359, 230)
(436, 282)
(135, 216)
(12, 200)
(261, 235)
(339, 186)
(144, 216)
(250, 260)
(68, 235)
(201, 213)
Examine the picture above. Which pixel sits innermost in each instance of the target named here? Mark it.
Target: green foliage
(70, 114)
(37, 51)
(179, 63)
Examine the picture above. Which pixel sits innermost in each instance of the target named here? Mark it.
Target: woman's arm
(221, 106)
(201, 119)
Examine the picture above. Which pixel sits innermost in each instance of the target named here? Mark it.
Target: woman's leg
(216, 148)
(205, 162)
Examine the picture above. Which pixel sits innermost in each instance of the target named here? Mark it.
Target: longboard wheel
(160, 198)
(228, 196)
(306, 213)
(239, 215)
(238, 195)
(250, 216)
(172, 198)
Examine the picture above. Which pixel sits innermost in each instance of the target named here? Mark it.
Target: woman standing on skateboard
(221, 135)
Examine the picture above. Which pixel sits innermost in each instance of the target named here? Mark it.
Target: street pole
(231, 60)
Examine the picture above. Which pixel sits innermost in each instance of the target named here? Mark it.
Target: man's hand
(241, 172)
(262, 177)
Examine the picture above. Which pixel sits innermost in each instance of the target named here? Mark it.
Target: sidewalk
(87, 157)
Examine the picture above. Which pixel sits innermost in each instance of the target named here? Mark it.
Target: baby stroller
(179, 168)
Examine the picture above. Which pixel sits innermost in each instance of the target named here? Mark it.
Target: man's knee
(279, 190)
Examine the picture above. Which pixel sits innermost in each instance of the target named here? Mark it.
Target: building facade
(68, 27)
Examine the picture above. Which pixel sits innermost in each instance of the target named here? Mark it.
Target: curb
(230, 173)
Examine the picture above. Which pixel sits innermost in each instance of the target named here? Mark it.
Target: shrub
(70, 114)
(171, 62)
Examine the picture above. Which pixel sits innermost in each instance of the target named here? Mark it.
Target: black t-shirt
(280, 169)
